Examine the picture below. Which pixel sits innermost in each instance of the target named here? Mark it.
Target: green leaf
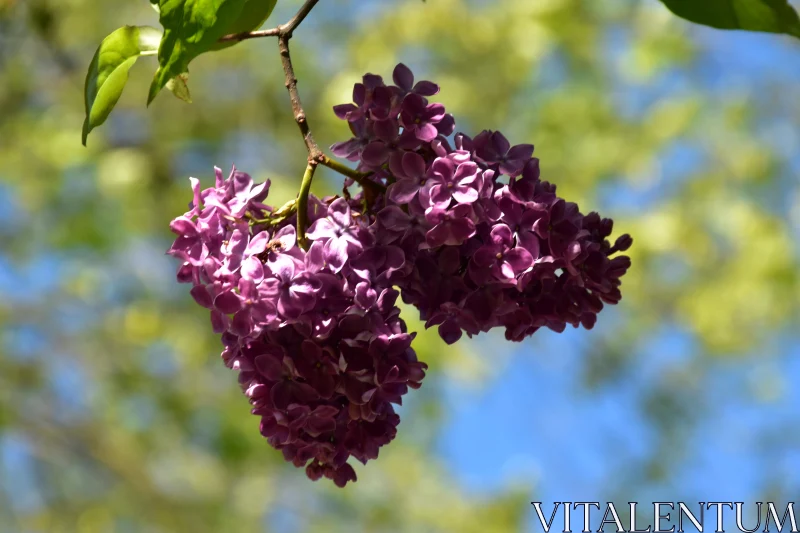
(179, 85)
(192, 27)
(154, 5)
(109, 68)
(254, 14)
(774, 16)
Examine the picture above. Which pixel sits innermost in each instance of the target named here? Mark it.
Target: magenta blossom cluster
(315, 334)
(487, 243)
(463, 229)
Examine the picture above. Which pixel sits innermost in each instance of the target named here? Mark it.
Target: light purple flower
(294, 289)
(255, 311)
(341, 236)
(448, 180)
(240, 251)
(189, 244)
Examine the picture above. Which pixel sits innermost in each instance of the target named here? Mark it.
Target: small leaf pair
(109, 68)
(191, 27)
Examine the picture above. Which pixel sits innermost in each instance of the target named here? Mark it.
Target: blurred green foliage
(154, 434)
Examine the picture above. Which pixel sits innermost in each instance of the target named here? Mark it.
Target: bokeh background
(117, 415)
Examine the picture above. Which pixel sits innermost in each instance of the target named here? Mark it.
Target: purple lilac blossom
(470, 235)
(518, 256)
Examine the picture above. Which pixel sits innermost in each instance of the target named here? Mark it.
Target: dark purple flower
(387, 145)
(315, 334)
(500, 258)
(419, 116)
(411, 175)
(561, 227)
(318, 367)
(404, 79)
(451, 227)
(399, 225)
(351, 149)
(363, 96)
(521, 220)
(378, 263)
(523, 187)
(494, 148)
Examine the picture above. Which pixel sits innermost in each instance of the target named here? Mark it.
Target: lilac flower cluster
(315, 335)
(486, 243)
(466, 232)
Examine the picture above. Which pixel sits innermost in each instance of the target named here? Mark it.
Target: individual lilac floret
(500, 259)
(451, 228)
(411, 174)
(493, 148)
(404, 80)
(420, 117)
(338, 232)
(448, 180)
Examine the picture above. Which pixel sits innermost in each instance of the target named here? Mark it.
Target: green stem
(358, 177)
(302, 204)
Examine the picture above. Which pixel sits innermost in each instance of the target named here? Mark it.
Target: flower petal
(426, 132)
(403, 191)
(227, 302)
(339, 212)
(253, 269)
(403, 77)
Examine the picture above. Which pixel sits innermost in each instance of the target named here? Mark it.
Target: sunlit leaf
(192, 27)
(179, 85)
(254, 14)
(108, 71)
(774, 16)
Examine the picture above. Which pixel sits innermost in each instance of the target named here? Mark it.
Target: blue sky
(537, 424)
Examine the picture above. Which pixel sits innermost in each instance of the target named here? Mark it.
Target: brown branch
(315, 155)
(284, 30)
(284, 33)
(289, 27)
(272, 32)
(290, 80)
